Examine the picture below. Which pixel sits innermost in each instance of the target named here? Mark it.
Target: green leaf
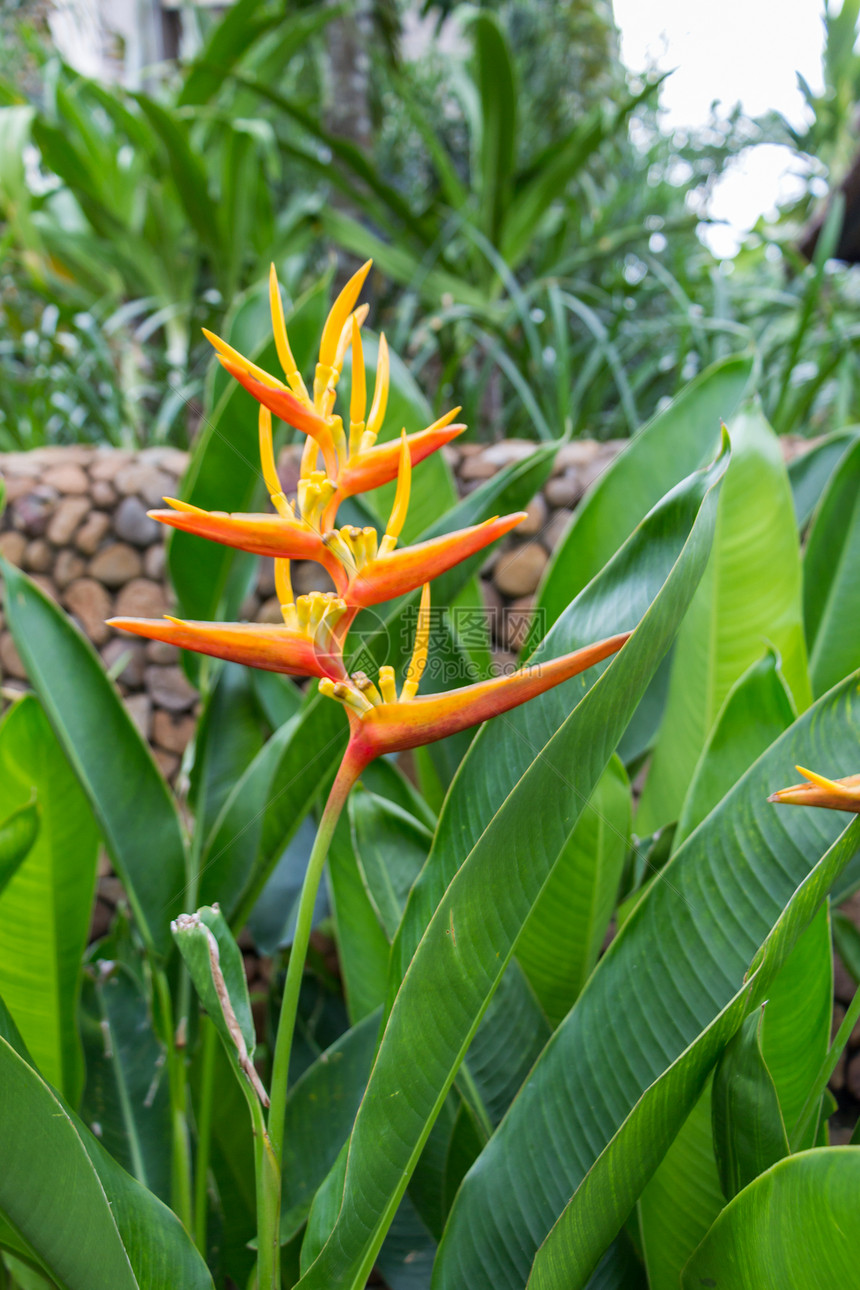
(559, 945)
(390, 846)
(681, 1200)
(672, 444)
(758, 708)
(809, 473)
(750, 596)
(320, 1110)
(106, 1231)
(831, 578)
(795, 1227)
(131, 801)
(615, 601)
(126, 1097)
(45, 908)
(216, 967)
(469, 940)
(17, 834)
(681, 962)
(496, 83)
(749, 1131)
(229, 736)
(362, 944)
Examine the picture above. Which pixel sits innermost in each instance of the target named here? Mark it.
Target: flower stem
(204, 1132)
(268, 1174)
(343, 782)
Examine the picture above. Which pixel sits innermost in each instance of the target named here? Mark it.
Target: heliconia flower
(837, 794)
(303, 646)
(381, 722)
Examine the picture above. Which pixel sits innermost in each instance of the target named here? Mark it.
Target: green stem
(289, 1006)
(268, 1175)
(204, 1132)
(181, 1170)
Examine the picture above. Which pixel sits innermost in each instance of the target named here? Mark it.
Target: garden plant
(523, 1026)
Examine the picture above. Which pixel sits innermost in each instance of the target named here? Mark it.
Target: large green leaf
(675, 442)
(681, 962)
(390, 846)
(615, 601)
(362, 944)
(795, 1227)
(229, 736)
(320, 1110)
(126, 1093)
(750, 596)
(464, 951)
(831, 578)
(809, 473)
(104, 1231)
(130, 799)
(749, 1133)
(757, 709)
(45, 909)
(559, 945)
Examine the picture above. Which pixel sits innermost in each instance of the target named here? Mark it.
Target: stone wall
(76, 522)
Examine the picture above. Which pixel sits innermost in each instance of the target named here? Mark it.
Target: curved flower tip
(837, 794)
(382, 723)
(379, 465)
(261, 534)
(270, 646)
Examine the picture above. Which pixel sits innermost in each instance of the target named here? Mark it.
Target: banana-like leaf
(831, 578)
(750, 596)
(45, 909)
(106, 1232)
(131, 801)
(470, 938)
(320, 1110)
(496, 84)
(229, 736)
(682, 961)
(391, 847)
(810, 472)
(758, 708)
(614, 601)
(126, 1098)
(559, 944)
(749, 1131)
(673, 443)
(363, 947)
(795, 1227)
(17, 834)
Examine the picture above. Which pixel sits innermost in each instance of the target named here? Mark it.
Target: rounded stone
(536, 515)
(10, 658)
(31, 513)
(171, 732)
(117, 564)
(132, 523)
(517, 618)
(566, 489)
(132, 652)
(108, 462)
(518, 571)
(474, 468)
(90, 534)
(38, 556)
(154, 561)
(139, 707)
(147, 482)
(12, 546)
(67, 478)
(556, 527)
(67, 515)
(141, 598)
(169, 688)
(162, 652)
(103, 493)
(68, 567)
(167, 763)
(88, 601)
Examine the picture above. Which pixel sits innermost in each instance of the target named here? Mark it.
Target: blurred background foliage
(537, 234)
